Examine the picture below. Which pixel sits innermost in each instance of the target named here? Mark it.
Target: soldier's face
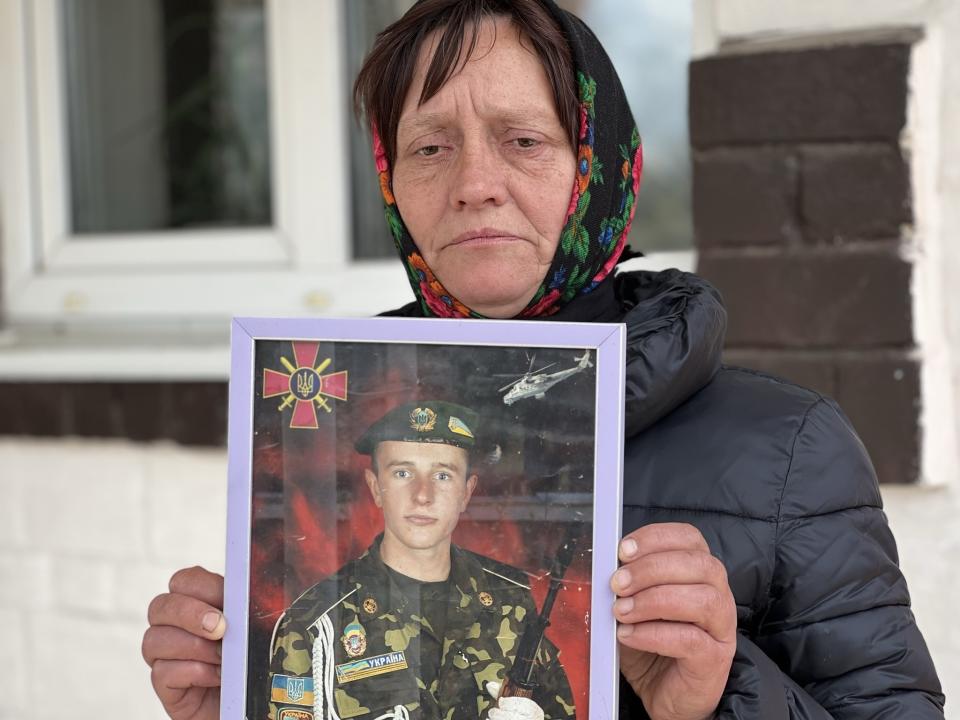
(422, 489)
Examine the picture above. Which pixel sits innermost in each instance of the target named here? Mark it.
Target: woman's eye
(526, 143)
(428, 150)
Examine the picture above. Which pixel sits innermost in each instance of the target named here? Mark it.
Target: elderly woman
(759, 578)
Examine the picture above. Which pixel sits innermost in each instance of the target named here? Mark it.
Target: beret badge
(423, 419)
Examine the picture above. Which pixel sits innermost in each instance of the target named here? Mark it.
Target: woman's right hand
(182, 644)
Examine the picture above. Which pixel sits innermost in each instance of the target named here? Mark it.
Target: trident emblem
(304, 386)
(295, 688)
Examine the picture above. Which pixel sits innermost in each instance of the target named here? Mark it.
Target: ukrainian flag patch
(368, 667)
(459, 427)
(292, 690)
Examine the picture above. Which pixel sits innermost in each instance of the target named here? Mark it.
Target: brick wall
(802, 209)
(191, 413)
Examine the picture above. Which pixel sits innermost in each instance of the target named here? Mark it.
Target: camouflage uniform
(377, 635)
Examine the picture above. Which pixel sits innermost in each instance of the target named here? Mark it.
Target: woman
(759, 578)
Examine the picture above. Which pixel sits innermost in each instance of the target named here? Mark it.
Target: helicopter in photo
(535, 384)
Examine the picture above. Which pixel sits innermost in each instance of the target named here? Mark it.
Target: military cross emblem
(304, 386)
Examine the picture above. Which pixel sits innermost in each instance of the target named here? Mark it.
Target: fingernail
(210, 621)
(623, 606)
(621, 578)
(624, 631)
(628, 547)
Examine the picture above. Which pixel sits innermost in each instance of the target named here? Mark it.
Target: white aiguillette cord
(323, 705)
(399, 712)
(323, 669)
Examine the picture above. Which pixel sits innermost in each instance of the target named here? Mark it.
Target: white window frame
(50, 276)
(157, 305)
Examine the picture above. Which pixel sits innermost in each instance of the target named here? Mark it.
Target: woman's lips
(484, 236)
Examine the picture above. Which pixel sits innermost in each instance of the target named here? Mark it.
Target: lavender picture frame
(261, 364)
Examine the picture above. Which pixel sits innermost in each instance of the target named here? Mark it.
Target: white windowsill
(24, 359)
(118, 353)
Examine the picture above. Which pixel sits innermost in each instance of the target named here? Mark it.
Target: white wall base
(90, 531)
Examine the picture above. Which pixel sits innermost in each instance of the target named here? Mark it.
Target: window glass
(648, 42)
(371, 239)
(167, 114)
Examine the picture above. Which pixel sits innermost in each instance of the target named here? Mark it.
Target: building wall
(90, 530)
(802, 212)
(900, 383)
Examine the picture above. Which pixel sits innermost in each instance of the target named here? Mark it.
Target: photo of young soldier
(404, 540)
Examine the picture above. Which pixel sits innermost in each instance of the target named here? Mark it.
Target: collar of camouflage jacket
(468, 580)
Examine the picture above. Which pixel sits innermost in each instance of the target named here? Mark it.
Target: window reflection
(167, 114)
(649, 44)
(371, 239)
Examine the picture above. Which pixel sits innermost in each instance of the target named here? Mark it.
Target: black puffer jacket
(782, 489)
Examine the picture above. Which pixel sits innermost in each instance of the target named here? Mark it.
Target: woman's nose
(479, 178)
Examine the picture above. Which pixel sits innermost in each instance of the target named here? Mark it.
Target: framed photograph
(423, 519)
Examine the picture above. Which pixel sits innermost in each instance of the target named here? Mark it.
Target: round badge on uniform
(370, 606)
(486, 599)
(354, 639)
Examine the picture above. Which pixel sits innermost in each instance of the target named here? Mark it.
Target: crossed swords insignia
(304, 387)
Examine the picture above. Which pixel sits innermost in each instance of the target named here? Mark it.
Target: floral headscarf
(602, 202)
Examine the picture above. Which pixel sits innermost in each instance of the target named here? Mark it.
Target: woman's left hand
(678, 621)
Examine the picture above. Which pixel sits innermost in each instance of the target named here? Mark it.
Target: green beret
(424, 421)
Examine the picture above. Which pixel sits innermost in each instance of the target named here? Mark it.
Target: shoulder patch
(292, 690)
(295, 714)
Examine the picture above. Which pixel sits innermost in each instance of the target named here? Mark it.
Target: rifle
(520, 681)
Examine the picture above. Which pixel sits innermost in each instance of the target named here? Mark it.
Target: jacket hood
(676, 324)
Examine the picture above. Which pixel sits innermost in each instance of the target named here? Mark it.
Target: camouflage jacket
(350, 646)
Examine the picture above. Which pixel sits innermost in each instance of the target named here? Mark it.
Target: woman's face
(484, 174)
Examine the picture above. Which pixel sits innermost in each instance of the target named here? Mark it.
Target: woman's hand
(182, 644)
(678, 621)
